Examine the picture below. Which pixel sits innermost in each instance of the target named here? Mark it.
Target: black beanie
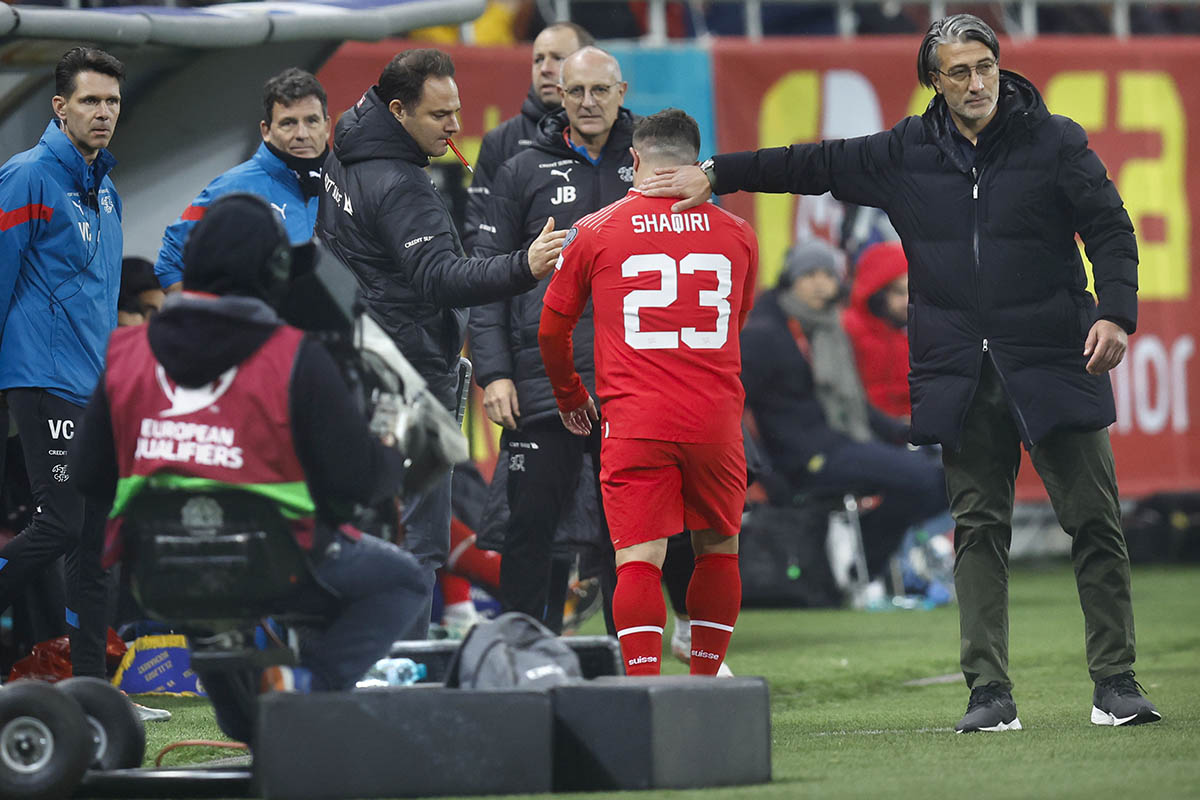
(229, 250)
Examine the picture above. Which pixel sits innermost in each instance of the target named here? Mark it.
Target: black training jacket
(548, 179)
(992, 260)
(499, 145)
(381, 215)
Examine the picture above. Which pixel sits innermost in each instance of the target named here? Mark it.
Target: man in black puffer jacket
(987, 190)
(550, 49)
(580, 163)
(381, 215)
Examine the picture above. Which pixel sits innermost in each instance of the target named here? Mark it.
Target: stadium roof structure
(234, 24)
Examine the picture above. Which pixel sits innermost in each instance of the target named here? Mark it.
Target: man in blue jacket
(285, 170)
(60, 273)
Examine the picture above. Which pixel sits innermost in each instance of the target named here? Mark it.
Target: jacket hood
(879, 265)
(197, 337)
(533, 109)
(551, 128)
(1020, 104)
(369, 131)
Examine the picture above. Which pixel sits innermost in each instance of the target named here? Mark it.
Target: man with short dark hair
(285, 170)
(670, 294)
(60, 274)
(988, 190)
(381, 215)
(550, 49)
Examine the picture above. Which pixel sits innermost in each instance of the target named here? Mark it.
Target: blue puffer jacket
(60, 267)
(264, 175)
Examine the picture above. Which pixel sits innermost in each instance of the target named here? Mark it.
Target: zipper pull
(975, 192)
(975, 184)
(985, 349)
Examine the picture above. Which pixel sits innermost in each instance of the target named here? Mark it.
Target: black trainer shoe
(1118, 701)
(991, 708)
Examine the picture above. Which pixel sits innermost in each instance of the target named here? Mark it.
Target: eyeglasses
(962, 73)
(599, 92)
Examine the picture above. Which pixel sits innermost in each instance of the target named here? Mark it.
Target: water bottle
(393, 672)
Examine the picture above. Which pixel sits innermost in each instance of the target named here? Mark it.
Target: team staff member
(60, 274)
(987, 190)
(285, 170)
(381, 215)
(670, 294)
(550, 49)
(296, 437)
(580, 163)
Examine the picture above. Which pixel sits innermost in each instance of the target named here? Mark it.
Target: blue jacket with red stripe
(264, 175)
(60, 267)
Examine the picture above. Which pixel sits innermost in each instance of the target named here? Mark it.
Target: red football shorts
(654, 489)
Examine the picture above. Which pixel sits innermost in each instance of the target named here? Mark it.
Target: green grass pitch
(846, 722)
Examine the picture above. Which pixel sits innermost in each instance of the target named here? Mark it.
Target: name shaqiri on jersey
(670, 292)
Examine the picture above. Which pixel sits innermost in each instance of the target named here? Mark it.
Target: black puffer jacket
(548, 179)
(499, 145)
(993, 264)
(381, 215)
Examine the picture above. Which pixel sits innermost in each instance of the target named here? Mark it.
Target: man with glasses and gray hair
(579, 163)
(988, 190)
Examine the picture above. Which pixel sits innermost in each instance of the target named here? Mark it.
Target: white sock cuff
(640, 629)
(717, 625)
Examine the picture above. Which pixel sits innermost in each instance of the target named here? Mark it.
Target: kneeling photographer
(217, 393)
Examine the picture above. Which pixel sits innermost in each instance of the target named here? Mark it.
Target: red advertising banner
(1137, 102)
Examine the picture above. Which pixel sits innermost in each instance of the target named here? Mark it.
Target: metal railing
(1021, 17)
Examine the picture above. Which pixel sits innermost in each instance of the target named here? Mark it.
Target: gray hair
(955, 29)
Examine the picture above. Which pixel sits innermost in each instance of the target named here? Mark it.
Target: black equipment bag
(782, 557)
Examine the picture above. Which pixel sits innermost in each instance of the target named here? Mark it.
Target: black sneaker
(991, 708)
(1118, 701)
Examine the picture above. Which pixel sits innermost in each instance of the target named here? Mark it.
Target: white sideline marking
(950, 677)
(869, 732)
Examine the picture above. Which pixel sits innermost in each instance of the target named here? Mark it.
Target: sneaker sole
(1104, 718)
(1015, 725)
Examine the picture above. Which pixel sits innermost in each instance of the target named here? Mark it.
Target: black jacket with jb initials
(993, 267)
(549, 179)
(381, 215)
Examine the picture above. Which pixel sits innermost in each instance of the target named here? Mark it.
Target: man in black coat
(382, 217)
(550, 50)
(988, 190)
(580, 162)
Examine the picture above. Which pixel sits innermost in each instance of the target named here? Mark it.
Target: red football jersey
(670, 293)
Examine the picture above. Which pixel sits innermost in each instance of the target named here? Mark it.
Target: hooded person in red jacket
(876, 324)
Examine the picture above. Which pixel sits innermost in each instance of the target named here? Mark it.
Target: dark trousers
(910, 484)
(63, 523)
(381, 593)
(544, 463)
(1076, 467)
(426, 518)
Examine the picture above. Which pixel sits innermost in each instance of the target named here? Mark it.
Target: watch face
(707, 164)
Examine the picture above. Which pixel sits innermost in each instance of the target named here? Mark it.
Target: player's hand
(690, 183)
(545, 249)
(580, 420)
(1105, 346)
(500, 403)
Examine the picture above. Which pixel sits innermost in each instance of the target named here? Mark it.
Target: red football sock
(479, 566)
(714, 598)
(639, 615)
(454, 588)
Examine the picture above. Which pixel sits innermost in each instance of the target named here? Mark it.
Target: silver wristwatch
(707, 167)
